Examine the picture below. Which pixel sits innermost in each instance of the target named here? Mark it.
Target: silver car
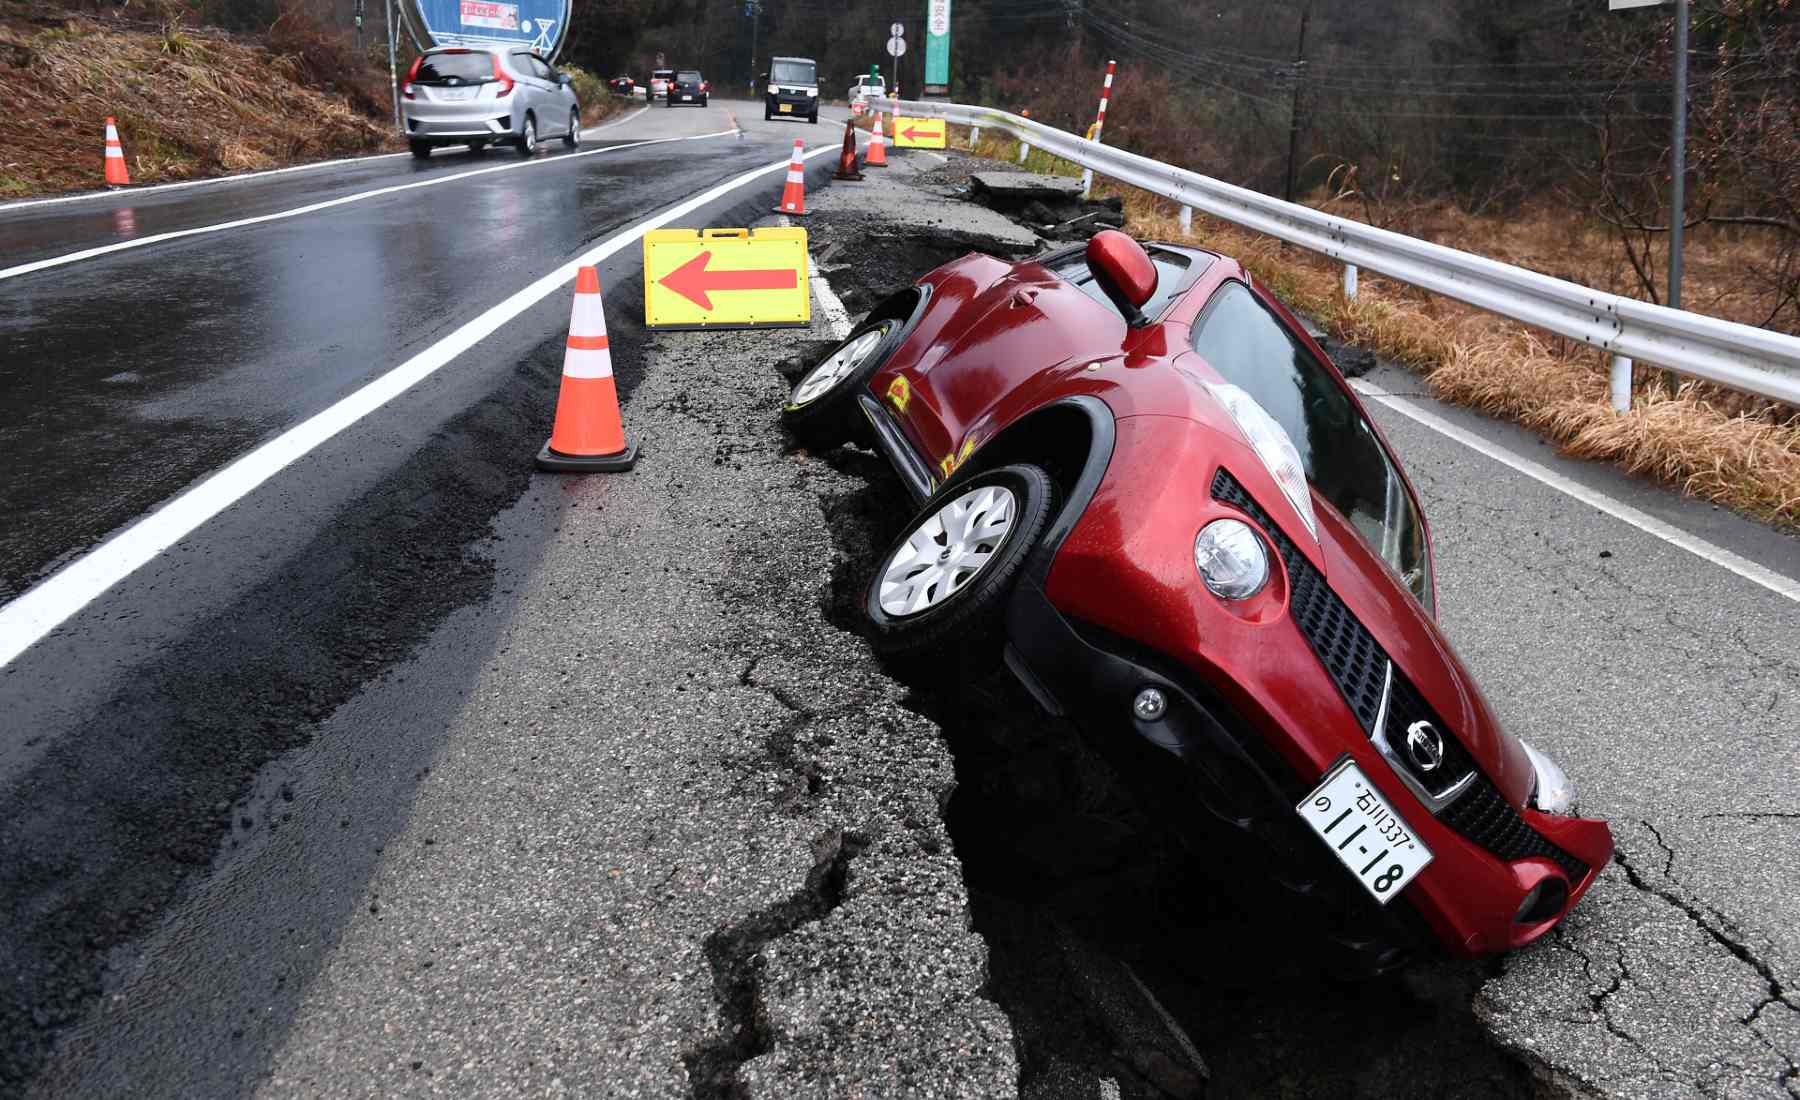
(478, 97)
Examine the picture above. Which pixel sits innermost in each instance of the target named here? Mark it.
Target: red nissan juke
(1148, 492)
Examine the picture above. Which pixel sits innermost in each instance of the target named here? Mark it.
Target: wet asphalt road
(131, 733)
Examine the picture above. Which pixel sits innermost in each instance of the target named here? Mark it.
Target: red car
(1148, 492)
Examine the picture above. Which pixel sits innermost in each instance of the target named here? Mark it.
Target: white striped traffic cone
(116, 175)
(588, 436)
(793, 195)
(876, 157)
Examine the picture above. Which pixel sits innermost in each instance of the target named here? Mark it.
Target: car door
(535, 96)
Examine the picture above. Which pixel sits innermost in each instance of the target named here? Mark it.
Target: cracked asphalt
(475, 781)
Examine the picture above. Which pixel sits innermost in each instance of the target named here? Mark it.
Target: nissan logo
(1425, 746)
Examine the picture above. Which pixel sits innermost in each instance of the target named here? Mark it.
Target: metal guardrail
(1742, 357)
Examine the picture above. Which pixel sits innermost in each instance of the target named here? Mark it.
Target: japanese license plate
(687, 99)
(1368, 837)
(786, 108)
(457, 93)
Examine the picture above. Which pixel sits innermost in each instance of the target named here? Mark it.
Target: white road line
(7, 208)
(837, 318)
(1775, 582)
(343, 200)
(54, 600)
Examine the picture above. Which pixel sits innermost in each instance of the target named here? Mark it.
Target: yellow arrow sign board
(726, 278)
(919, 133)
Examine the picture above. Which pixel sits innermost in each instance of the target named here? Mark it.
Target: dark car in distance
(1148, 494)
(688, 86)
(791, 88)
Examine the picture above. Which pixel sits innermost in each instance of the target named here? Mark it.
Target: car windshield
(875, 81)
(687, 76)
(464, 68)
(1252, 349)
(789, 71)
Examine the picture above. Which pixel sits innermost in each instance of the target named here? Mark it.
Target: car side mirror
(564, 79)
(1124, 270)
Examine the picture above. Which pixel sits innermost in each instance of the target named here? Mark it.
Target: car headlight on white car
(1271, 444)
(1232, 561)
(774, 89)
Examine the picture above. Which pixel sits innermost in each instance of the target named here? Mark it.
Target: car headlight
(1271, 444)
(1555, 794)
(1232, 561)
(812, 93)
(774, 89)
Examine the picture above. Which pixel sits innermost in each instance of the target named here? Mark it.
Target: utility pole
(1678, 155)
(393, 75)
(1294, 109)
(753, 8)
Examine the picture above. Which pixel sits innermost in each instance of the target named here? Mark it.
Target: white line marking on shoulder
(54, 600)
(1643, 521)
(342, 200)
(831, 308)
(245, 177)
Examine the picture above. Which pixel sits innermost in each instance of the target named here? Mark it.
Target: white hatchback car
(868, 85)
(478, 97)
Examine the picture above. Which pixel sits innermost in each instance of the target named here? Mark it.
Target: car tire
(528, 137)
(942, 587)
(768, 115)
(703, 101)
(822, 410)
(420, 149)
(573, 137)
(813, 118)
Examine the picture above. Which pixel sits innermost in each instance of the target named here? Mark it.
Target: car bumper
(487, 123)
(796, 104)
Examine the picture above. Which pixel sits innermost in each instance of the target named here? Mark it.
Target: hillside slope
(189, 101)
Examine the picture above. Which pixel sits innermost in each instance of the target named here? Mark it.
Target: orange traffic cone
(116, 176)
(793, 195)
(877, 154)
(846, 169)
(588, 435)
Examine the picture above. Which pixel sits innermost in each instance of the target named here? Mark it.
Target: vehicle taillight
(407, 91)
(506, 82)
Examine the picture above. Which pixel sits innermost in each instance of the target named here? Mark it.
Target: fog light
(1231, 559)
(1544, 902)
(1150, 704)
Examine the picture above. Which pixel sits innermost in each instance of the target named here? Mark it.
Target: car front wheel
(942, 587)
(420, 149)
(822, 411)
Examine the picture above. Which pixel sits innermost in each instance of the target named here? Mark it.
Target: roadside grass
(1733, 449)
(189, 101)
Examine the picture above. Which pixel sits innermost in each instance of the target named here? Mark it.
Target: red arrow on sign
(693, 282)
(913, 133)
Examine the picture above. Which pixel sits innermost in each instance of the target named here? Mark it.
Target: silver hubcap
(839, 366)
(575, 128)
(947, 551)
(530, 134)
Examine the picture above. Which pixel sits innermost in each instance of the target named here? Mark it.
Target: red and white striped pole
(1087, 174)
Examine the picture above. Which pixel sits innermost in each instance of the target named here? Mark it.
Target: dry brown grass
(1726, 447)
(189, 102)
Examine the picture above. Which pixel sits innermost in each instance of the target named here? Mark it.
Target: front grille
(1484, 816)
(1347, 650)
(1356, 663)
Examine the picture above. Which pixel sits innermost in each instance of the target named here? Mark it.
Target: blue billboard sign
(539, 24)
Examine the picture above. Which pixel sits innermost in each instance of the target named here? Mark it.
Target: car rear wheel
(942, 587)
(573, 138)
(822, 411)
(420, 149)
(528, 139)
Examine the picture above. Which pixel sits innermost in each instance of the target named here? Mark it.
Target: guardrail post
(1350, 282)
(1024, 151)
(1187, 219)
(1621, 383)
(974, 136)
